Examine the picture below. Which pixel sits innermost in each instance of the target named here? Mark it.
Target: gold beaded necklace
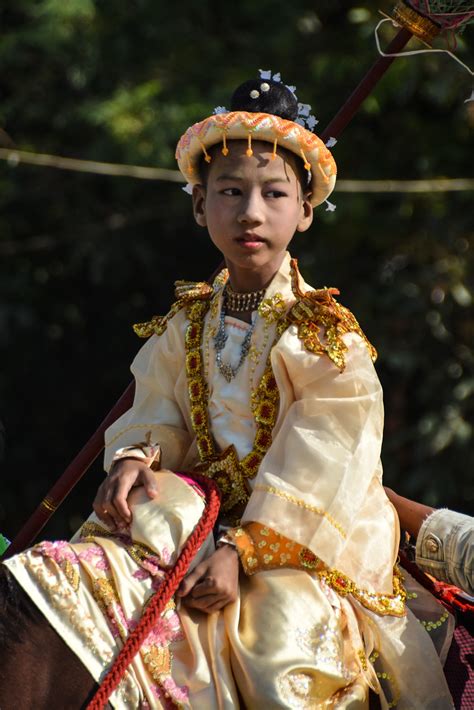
(242, 302)
(230, 473)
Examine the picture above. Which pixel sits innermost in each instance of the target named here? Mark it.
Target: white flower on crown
(305, 117)
(304, 110)
(220, 109)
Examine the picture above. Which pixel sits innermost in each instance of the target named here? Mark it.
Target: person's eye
(275, 193)
(231, 191)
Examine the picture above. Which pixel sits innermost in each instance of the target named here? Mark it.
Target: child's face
(252, 206)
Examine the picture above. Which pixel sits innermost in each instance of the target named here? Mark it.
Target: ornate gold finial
(419, 25)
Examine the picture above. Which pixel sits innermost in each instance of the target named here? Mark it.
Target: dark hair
(277, 100)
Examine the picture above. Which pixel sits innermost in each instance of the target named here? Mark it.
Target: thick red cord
(445, 593)
(163, 595)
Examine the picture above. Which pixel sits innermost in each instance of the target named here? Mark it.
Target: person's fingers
(191, 580)
(147, 478)
(204, 588)
(119, 499)
(217, 606)
(100, 508)
(106, 518)
(111, 509)
(211, 601)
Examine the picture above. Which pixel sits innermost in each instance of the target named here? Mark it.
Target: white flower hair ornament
(253, 116)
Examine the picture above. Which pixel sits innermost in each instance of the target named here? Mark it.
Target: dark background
(82, 257)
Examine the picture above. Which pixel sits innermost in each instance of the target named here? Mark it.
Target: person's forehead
(261, 161)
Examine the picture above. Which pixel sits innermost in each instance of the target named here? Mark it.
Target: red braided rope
(163, 595)
(444, 593)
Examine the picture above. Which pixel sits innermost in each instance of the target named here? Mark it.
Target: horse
(37, 668)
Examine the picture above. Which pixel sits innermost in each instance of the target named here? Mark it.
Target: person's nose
(251, 208)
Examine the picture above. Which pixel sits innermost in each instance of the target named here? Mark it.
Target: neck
(246, 280)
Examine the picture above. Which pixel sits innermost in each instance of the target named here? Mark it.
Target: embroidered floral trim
(140, 553)
(261, 548)
(65, 605)
(157, 657)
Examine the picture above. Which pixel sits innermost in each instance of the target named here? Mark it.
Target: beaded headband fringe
(225, 126)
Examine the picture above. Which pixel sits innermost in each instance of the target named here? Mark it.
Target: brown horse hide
(37, 669)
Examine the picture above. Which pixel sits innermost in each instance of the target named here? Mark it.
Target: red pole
(72, 475)
(78, 467)
(360, 93)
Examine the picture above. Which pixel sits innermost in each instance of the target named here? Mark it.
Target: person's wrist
(122, 463)
(227, 548)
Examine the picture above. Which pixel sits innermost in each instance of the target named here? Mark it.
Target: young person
(267, 386)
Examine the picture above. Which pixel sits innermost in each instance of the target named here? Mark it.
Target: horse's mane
(16, 609)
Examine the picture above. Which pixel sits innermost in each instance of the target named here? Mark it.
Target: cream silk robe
(290, 640)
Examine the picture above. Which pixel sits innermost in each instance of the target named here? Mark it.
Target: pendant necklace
(245, 302)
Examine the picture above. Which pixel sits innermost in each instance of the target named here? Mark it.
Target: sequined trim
(225, 468)
(382, 604)
(322, 321)
(261, 548)
(301, 504)
(431, 625)
(387, 680)
(158, 324)
(139, 552)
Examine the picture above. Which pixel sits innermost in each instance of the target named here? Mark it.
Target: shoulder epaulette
(186, 292)
(322, 322)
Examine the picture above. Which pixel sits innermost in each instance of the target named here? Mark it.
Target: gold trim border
(301, 504)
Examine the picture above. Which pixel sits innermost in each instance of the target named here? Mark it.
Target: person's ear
(306, 214)
(199, 205)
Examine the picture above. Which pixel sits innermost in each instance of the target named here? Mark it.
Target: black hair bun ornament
(265, 96)
(270, 95)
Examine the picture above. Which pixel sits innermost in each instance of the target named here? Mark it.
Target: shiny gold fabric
(290, 641)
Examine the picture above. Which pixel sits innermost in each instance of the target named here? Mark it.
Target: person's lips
(250, 240)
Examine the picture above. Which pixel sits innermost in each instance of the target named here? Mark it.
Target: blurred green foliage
(83, 256)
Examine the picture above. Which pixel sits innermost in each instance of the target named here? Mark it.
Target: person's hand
(213, 583)
(110, 503)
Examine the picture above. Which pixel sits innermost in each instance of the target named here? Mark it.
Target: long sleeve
(320, 482)
(159, 404)
(445, 548)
